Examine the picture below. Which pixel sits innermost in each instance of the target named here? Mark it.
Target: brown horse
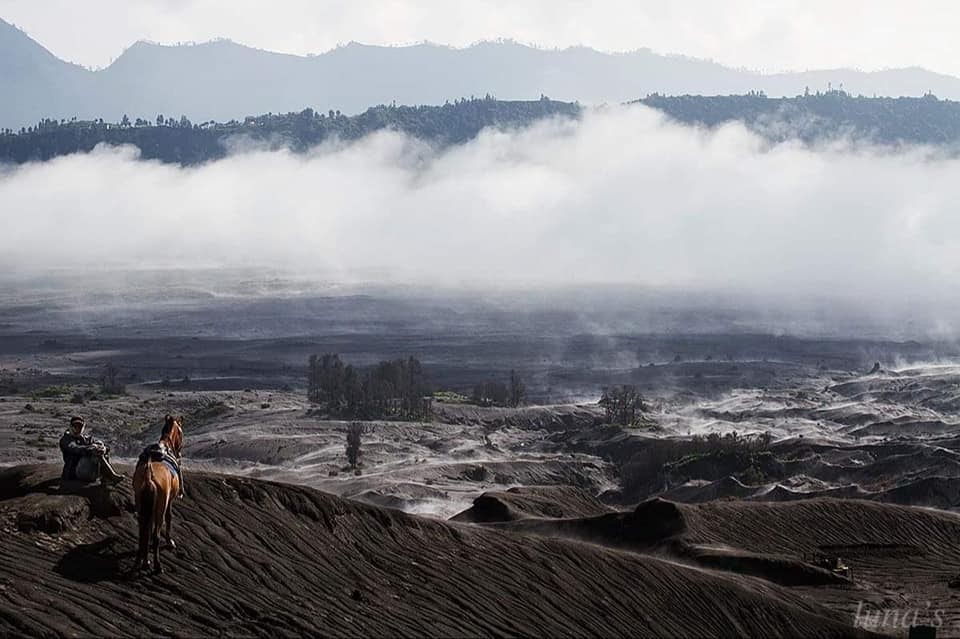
(155, 485)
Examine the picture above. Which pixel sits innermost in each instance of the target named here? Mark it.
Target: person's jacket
(74, 448)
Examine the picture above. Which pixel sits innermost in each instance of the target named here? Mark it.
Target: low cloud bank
(621, 197)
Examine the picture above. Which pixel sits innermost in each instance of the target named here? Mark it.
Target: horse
(156, 482)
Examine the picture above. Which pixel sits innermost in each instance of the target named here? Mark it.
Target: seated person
(84, 458)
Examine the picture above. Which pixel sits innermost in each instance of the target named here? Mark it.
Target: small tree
(518, 390)
(110, 383)
(490, 393)
(622, 404)
(354, 434)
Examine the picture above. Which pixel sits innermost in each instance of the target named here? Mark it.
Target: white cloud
(621, 197)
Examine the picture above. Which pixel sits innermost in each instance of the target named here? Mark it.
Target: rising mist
(620, 197)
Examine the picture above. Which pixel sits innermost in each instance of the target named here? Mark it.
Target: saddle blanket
(158, 453)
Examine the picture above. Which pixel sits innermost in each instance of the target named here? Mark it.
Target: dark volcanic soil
(894, 553)
(750, 441)
(261, 559)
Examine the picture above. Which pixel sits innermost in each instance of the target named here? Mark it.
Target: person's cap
(76, 421)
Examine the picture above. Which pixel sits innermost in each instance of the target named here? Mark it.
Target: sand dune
(897, 556)
(259, 558)
(522, 503)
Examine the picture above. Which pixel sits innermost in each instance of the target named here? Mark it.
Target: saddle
(160, 453)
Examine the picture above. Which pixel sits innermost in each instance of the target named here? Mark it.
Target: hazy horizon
(774, 37)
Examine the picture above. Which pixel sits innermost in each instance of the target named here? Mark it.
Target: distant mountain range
(223, 80)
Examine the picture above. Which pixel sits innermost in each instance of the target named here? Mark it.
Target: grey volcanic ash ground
(861, 462)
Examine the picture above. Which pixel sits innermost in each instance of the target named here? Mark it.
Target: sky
(763, 35)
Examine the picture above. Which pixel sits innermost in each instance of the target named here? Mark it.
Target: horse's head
(173, 433)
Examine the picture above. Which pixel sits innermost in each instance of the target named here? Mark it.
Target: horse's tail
(148, 497)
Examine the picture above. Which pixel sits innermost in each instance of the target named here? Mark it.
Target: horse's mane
(175, 437)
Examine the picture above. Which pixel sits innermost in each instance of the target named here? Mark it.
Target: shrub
(622, 405)
(354, 435)
(490, 394)
(450, 397)
(110, 383)
(668, 462)
(518, 390)
(50, 392)
(494, 393)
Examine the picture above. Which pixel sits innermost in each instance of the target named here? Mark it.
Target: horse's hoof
(171, 543)
(158, 570)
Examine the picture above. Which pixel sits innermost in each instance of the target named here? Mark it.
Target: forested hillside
(811, 118)
(180, 141)
(823, 116)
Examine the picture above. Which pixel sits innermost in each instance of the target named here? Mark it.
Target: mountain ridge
(223, 80)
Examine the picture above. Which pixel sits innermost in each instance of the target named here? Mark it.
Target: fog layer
(619, 197)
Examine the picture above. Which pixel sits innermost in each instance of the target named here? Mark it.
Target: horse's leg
(162, 505)
(145, 514)
(136, 509)
(169, 518)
